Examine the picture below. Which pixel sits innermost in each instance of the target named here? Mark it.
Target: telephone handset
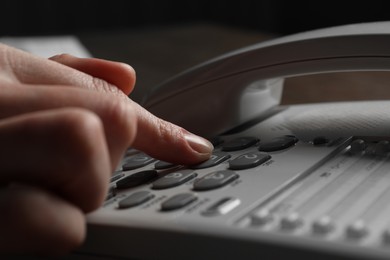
(280, 186)
(215, 96)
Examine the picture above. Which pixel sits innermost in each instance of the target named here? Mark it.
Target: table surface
(158, 53)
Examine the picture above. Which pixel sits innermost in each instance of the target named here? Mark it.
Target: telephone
(309, 181)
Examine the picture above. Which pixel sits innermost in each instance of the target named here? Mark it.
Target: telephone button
(291, 222)
(136, 179)
(162, 165)
(320, 140)
(239, 143)
(135, 199)
(178, 201)
(278, 143)
(215, 180)
(111, 193)
(322, 226)
(358, 146)
(357, 230)
(260, 218)
(174, 179)
(116, 176)
(248, 160)
(215, 159)
(222, 207)
(386, 237)
(137, 161)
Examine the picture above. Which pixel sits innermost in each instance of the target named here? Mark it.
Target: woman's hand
(64, 126)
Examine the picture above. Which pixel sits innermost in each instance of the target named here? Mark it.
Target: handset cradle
(230, 90)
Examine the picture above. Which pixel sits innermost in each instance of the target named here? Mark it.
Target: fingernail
(199, 144)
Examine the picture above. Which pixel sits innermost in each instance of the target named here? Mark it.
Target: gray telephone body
(227, 92)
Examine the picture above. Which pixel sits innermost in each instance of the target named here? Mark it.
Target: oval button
(239, 143)
(278, 143)
(136, 179)
(178, 201)
(248, 160)
(215, 159)
(174, 179)
(135, 199)
(137, 161)
(215, 180)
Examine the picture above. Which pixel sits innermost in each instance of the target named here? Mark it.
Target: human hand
(64, 125)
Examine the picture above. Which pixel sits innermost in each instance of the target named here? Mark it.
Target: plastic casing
(217, 95)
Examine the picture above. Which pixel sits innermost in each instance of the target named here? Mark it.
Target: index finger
(158, 138)
(169, 142)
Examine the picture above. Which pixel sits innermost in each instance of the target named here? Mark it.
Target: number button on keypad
(215, 159)
(178, 201)
(248, 160)
(136, 179)
(174, 179)
(239, 143)
(215, 180)
(137, 161)
(278, 143)
(135, 199)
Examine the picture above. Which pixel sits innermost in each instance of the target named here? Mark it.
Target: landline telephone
(309, 181)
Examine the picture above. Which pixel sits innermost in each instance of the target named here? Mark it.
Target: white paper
(47, 46)
(371, 118)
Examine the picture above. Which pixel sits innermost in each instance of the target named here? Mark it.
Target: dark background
(161, 38)
(275, 16)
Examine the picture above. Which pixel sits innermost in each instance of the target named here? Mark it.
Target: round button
(291, 222)
(382, 148)
(386, 237)
(357, 146)
(260, 217)
(357, 230)
(322, 226)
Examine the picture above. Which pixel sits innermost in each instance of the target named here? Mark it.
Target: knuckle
(123, 120)
(102, 86)
(80, 126)
(86, 157)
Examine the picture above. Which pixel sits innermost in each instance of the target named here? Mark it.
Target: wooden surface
(158, 53)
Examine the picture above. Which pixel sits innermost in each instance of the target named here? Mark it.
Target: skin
(65, 123)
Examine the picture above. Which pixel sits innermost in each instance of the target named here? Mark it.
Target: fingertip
(169, 142)
(200, 146)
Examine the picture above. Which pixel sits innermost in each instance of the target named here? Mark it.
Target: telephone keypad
(225, 167)
(213, 180)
